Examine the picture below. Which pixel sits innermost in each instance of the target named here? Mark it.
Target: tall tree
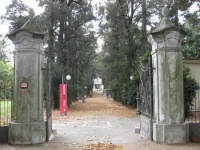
(122, 41)
(16, 13)
(74, 41)
(191, 44)
(2, 52)
(144, 26)
(6, 72)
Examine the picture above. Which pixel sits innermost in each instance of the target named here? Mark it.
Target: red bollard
(63, 99)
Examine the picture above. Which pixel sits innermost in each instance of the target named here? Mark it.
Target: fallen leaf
(120, 146)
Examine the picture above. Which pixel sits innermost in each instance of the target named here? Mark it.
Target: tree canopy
(125, 32)
(6, 72)
(123, 25)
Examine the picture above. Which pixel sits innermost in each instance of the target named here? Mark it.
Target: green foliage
(191, 44)
(2, 52)
(6, 77)
(74, 44)
(129, 94)
(17, 14)
(5, 112)
(6, 72)
(146, 56)
(72, 41)
(190, 90)
(121, 48)
(5, 107)
(184, 4)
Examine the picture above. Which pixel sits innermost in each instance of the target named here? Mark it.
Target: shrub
(129, 94)
(190, 90)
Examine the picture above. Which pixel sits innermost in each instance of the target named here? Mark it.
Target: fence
(145, 104)
(192, 112)
(5, 109)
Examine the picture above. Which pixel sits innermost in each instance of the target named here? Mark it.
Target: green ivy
(146, 56)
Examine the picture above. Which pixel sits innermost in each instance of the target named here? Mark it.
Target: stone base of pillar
(171, 134)
(27, 133)
(145, 124)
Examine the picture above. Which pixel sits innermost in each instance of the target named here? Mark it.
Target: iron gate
(193, 113)
(6, 107)
(49, 101)
(145, 96)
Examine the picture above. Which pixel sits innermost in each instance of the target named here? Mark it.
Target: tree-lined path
(98, 106)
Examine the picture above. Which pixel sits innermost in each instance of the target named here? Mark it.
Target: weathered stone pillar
(169, 126)
(28, 126)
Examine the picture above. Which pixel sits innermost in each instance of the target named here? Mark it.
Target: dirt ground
(99, 106)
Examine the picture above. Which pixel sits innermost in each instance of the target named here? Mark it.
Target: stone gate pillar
(28, 125)
(168, 126)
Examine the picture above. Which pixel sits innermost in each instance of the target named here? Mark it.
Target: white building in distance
(98, 83)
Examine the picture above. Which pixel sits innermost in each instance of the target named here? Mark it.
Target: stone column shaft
(28, 126)
(169, 126)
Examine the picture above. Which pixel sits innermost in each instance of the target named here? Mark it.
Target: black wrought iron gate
(49, 101)
(192, 116)
(146, 96)
(6, 103)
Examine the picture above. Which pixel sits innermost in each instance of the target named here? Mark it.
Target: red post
(63, 99)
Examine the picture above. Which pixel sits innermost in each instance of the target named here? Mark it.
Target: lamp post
(85, 90)
(131, 77)
(138, 103)
(68, 77)
(85, 95)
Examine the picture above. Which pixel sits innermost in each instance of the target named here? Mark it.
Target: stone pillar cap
(31, 27)
(165, 23)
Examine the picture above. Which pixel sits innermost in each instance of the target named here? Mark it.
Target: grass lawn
(5, 112)
(5, 105)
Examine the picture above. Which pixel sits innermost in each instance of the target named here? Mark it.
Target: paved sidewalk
(120, 131)
(74, 134)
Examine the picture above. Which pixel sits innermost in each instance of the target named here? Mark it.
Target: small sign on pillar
(23, 85)
(63, 99)
(24, 88)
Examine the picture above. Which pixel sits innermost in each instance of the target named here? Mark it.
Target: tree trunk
(61, 34)
(144, 18)
(176, 3)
